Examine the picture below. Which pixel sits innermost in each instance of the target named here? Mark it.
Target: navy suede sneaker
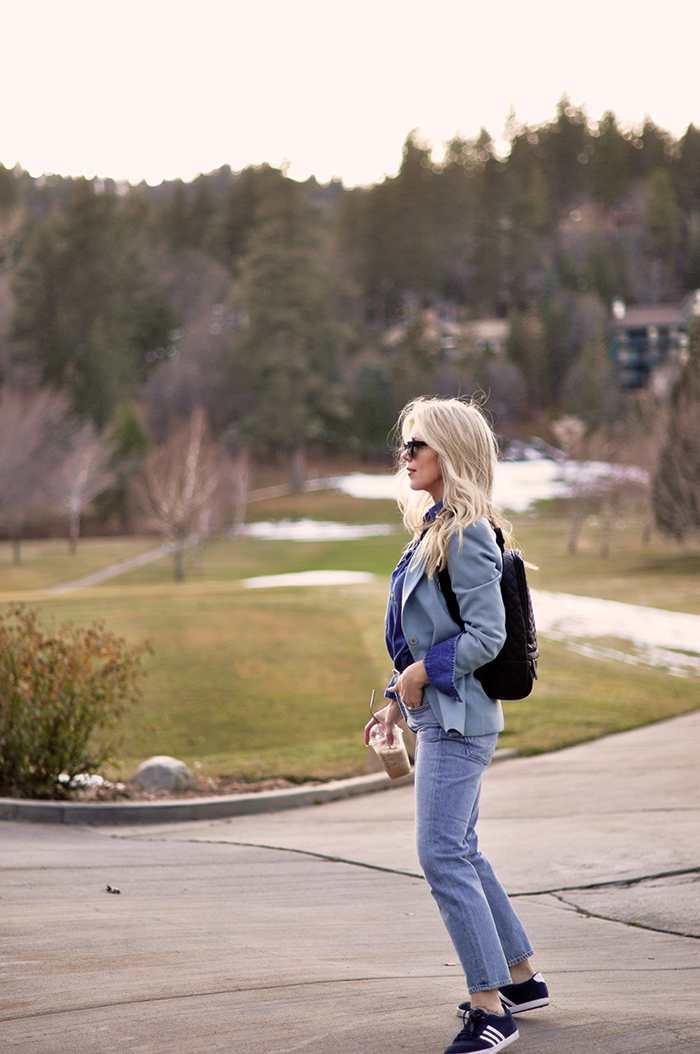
(518, 997)
(484, 1032)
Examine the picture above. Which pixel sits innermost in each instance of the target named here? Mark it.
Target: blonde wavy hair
(459, 433)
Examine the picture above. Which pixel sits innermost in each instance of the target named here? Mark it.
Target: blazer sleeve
(475, 573)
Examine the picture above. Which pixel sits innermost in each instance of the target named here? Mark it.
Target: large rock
(162, 773)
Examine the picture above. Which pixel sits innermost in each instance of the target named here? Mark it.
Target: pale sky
(156, 89)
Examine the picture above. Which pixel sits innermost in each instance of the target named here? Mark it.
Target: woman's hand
(409, 685)
(387, 717)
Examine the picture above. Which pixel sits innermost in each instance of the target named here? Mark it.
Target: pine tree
(490, 284)
(524, 349)
(416, 263)
(604, 270)
(554, 346)
(454, 216)
(657, 148)
(686, 174)
(691, 275)
(130, 444)
(590, 391)
(86, 312)
(662, 232)
(238, 216)
(612, 161)
(173, 220)
(9, 193)
(676, 484)
(201, 215)
(565, 157)
(286, 358)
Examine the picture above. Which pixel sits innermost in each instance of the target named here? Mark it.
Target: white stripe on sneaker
(497, 1040)
(492, 1035)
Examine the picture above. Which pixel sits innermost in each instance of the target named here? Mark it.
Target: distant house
(649, 342)
(440, 326)
(488, 334)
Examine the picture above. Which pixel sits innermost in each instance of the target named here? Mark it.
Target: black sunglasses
(411, 445)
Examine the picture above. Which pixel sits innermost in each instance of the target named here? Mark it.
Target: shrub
(60, 696)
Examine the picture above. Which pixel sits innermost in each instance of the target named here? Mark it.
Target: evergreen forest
(271, 317)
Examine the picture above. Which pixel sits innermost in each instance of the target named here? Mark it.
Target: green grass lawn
(577, 699)
(325, 505)
(247, 682)
(255, 683)
(48, 562)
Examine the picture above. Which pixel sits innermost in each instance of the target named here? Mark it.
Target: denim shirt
(396, 643)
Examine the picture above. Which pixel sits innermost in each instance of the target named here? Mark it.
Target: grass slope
(277, 682)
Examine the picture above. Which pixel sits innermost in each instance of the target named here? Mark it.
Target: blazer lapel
(413, 577)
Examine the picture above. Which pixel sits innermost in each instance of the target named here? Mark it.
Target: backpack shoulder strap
(499, 537)
(448, 592)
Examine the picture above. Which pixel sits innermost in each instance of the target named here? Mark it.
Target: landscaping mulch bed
(206, 787)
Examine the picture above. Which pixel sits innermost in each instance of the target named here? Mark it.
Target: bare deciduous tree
(83, 474)
(33, 430)
(182, 486)
(612, 476)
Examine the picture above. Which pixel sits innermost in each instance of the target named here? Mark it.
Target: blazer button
(413, 640)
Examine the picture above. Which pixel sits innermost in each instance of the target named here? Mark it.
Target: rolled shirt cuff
(440, 662)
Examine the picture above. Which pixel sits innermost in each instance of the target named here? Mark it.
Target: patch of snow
(309, 578)
(668, 639)
(518, 483)
(588, 476)
(675, 663)
(535, 450)
(312, 530)
(83, 779)
(364, 485)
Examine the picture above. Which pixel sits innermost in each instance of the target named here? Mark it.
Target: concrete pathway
(249, 936)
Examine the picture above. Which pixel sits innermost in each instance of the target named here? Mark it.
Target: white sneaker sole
(522, 1007)
(505, 1042)
(519, 1009)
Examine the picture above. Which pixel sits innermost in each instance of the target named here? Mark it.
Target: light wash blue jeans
(487, 934)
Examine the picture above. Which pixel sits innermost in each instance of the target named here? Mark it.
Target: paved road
(249, 936)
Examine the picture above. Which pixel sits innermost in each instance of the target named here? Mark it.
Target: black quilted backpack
(512, 674)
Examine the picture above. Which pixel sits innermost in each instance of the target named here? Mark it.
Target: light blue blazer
(455, 695)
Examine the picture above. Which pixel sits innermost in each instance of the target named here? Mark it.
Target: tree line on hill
(280, 314)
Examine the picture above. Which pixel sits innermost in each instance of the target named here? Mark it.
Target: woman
(448, 460)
